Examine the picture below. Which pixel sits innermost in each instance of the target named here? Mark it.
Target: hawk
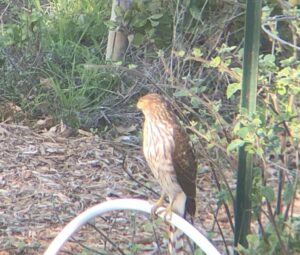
(170, 156)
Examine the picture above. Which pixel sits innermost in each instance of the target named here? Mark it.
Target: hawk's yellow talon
(168, 213)
(157, 204)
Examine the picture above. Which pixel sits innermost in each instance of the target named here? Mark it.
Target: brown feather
(170, 156)
(185, 167)
(158, 111)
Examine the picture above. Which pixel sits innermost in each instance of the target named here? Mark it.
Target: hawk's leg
(157, 204)
(177, 205)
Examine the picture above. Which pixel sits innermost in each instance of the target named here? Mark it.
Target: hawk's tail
(179, 244)
(176, 241)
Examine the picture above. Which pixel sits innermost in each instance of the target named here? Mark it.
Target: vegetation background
(52, 64)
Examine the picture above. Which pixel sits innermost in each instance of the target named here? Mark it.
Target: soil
(47, 179)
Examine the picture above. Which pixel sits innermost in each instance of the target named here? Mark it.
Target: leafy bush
(272, 131)
(55, 42)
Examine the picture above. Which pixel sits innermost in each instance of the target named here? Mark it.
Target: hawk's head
(150, 103)
(155, 107)
(149, 100)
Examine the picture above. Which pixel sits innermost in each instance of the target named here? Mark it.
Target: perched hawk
(170, 157)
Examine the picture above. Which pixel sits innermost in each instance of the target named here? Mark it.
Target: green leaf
(257, 122)
(215, 62)
(132, 66)
(198, 252)
(210, 145)
(295, 89)
(281, 90)
(222, 197)
(232, 88)
(195, 102)
(288, 193)
(243, 132)
(127, 16)
(119, 11)
(197, 52)
(112, 25)
(154, 23)
(238, 71)
(180, 53)
(268, 193)
(259, 151)
(252, 238)
(285, 72)
(287, 62)
(225, 48)
(138, 21)
(182, 93)
(138, 39)
(269, 58)
(195, 12)
(156, 16)
(235, 144)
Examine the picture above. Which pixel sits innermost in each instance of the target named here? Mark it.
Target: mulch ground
(46, 180)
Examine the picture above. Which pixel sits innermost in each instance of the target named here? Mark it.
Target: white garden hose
(127, 204)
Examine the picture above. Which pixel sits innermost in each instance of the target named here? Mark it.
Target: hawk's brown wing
(185, 167)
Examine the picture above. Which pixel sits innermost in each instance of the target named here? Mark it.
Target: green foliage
(77, 93)
(270, 245)
(288, 194)
(57, 42)
(261, 133)
(77, 21)
(232, 89)
(198, 252)
(148, 21)
(224, 196)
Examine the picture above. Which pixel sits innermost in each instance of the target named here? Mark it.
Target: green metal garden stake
(248, 103)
